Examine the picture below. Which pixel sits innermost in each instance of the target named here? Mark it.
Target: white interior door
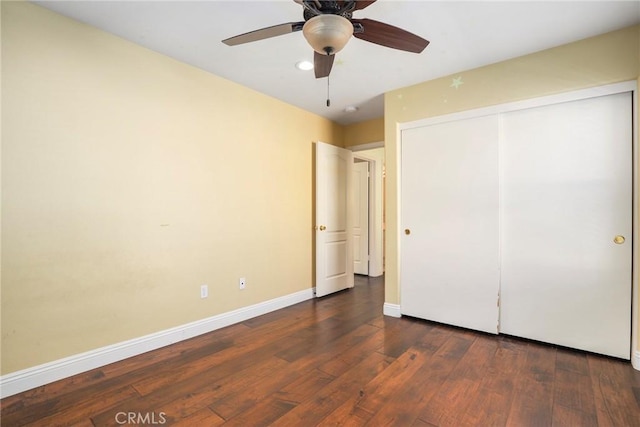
(567, 193)
(450, 236)
(334, 254)
(361, 217)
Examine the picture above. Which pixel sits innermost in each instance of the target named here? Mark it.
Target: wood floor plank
(573, 390)
(572, 361)
(421, 423)
(354, 411)
(378, 321)
(488, 408)
(379, 390)
(612, 385)
(81, 412)
(564, 416)
(404, 408)
(375, 395)
(314, 338)
(267, 411)
(360, 347)
(574, 402)
(239, 387)
(361, 407)
(313, 410)
(20, 402)
(458, 391)
(347, 343)
(395, 342)
(534, 392)
(436, 337)
(203, 417)
(304, 387)
(491, 404)
(251, 394)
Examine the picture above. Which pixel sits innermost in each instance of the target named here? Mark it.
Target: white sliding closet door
(449, 253)
(566, 195)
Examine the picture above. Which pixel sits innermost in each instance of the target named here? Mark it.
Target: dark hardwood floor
(339, 361)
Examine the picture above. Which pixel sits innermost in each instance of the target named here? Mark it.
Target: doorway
(370, 191)
(360, 223)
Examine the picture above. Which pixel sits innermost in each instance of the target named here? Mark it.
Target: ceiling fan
(328, 26)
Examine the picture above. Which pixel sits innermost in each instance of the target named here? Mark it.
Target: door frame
(376, 207)
(611, 89)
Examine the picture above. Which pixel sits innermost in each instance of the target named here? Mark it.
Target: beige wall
(130, 179)
(609, 58)
(364, 132)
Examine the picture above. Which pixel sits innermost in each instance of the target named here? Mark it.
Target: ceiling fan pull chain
(328, 100)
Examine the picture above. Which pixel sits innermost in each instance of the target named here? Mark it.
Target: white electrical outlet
(204, 291)
(243, 283)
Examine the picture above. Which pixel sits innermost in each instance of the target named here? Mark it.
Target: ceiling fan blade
(322, 64)
(389, 36)
(264, 33)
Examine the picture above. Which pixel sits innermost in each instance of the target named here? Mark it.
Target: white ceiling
(463, 35)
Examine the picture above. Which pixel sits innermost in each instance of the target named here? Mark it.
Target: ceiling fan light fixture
(327, 34)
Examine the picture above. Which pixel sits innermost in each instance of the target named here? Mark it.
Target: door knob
(322, 228)
(407, 231)
(618, 240)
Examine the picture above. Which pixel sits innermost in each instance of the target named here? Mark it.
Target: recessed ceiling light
(304, 65)
(350, 109)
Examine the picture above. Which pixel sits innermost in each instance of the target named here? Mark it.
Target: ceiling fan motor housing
(327, 33)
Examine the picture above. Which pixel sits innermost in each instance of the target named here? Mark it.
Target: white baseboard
(17, 382)
(635, 360)
(392, 310)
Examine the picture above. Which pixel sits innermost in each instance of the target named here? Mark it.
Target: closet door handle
(618, 240)
(407, 231)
